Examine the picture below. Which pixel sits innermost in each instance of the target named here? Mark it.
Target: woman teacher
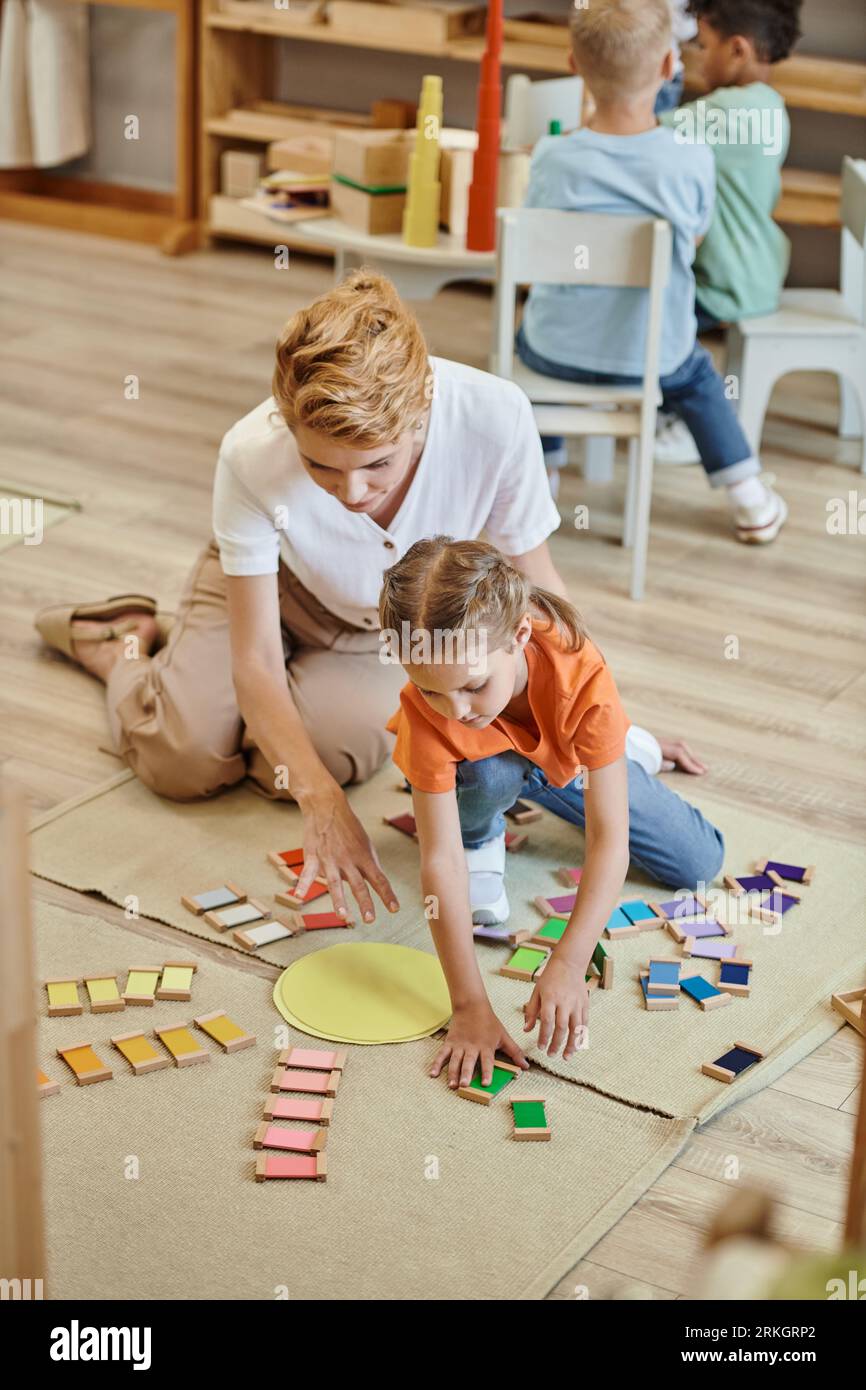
(273, 666)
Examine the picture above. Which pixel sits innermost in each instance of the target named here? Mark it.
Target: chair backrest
(544, 246)
(853, 269)
(854, 198)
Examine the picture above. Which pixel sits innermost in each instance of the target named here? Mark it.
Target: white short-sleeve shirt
(482, 469)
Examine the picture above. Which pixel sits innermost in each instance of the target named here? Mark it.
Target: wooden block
(218, 1026)
(316, 1083)
(719, 948)
(522, 813)
(301, 1141)
(287, 859)
(430, 26)
(704, 993)
(289, 899)
(640, 914)
(291, 1166)
(84, 1064)
(696, 929)
(140, 1053)
(373, 214)
(607, 974)
(241, 915)
(689, 906)
(141, 983)
(251, 938)
(734, 976)
(388, 113)
(552, 932)
(851, 1004)
(503, 1074)
(656, 1002)
(240, 171)
(772, 908)
(313, 1059)
(570, 877)
(748, 883)
(515, 840)
(63, 1000)
(226, 896)
(176, 982)
(618, 927)
(406, 823)
(318, 1112)
(103, 993)
(664, 976)
(501, 933)
(561, 906)
(526, 963)
(530, 1118)
(729, 1066)
(373, 158)
(794, 873)
(318, 921)
(182, 1045)
(45, 1086)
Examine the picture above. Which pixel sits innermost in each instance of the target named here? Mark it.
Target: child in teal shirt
(741, 264)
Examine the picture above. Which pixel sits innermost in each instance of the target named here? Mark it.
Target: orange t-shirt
(574, 703)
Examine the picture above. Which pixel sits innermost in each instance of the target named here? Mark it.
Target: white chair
(537, 246)
(812, 330)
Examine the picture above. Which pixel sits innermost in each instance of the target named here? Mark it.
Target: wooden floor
(755, 656)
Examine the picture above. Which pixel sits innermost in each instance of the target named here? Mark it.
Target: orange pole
(481, 223)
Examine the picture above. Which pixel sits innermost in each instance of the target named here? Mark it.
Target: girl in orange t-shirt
(507, 696)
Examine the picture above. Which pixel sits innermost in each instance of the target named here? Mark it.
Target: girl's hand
(337, 847)
(474, 1032)
(560, 1001)
(676, 753)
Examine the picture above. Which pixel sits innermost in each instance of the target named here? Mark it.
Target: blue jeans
(670, 93)
(706, 320)
(668, 838)
(695, 392)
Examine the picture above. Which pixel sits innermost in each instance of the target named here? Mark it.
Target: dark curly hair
(772, 25)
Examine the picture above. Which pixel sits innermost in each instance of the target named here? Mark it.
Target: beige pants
(175, 718)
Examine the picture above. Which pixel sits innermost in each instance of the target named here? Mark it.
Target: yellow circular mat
(365, 992)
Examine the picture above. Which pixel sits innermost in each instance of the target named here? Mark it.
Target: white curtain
(44, 83)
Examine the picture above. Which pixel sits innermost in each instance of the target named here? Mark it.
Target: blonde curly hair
(353, 364)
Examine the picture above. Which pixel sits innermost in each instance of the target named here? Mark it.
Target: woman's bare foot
(99, 657)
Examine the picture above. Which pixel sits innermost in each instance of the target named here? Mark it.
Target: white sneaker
(762, 524)
(487, 896)
(674, 443)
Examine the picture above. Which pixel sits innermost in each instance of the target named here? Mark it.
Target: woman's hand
(560, 1002)
(474, 1031)
(337, 847)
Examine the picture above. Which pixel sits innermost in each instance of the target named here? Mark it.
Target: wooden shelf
(810, 199)
(86, 205)
(540, 57)
(810, 84)
(228, 218)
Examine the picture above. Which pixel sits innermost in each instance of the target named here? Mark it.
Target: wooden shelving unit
(167, 220)
(237, 71)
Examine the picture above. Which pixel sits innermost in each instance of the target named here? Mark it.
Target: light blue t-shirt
(651, 174)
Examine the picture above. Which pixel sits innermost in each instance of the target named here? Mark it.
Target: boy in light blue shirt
(624, 162)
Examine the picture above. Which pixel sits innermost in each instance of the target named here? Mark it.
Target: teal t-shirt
(742, 262)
